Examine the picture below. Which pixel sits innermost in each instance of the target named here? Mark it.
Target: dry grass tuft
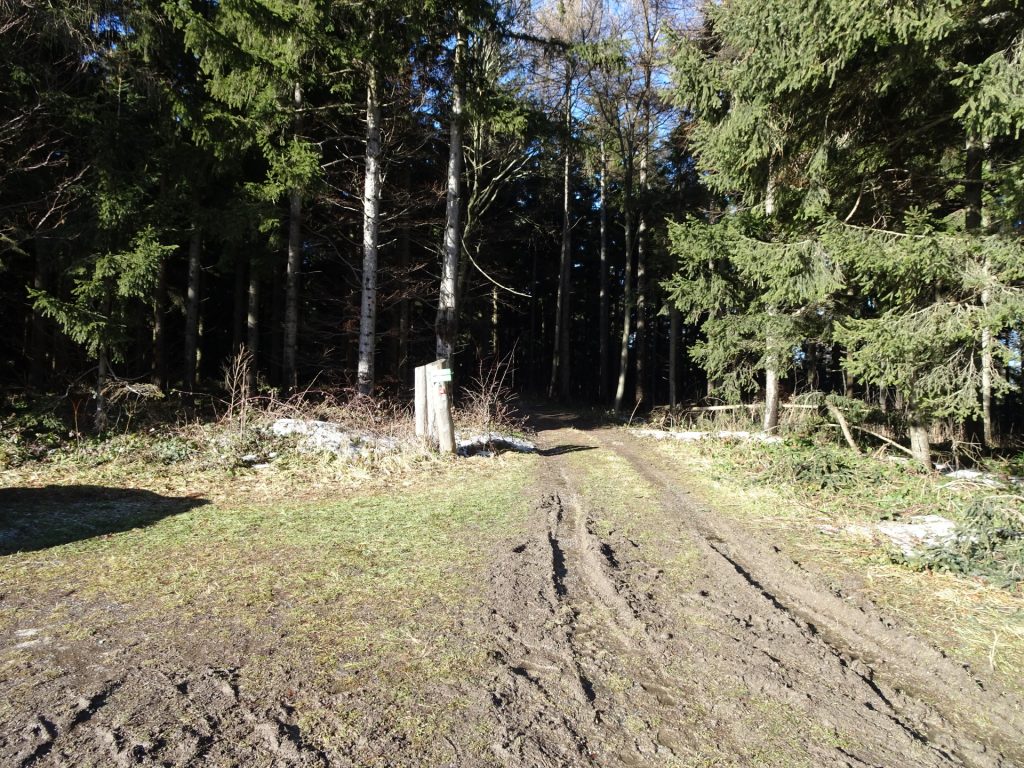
(972, 619)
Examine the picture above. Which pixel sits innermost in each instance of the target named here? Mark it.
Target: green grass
(786, 492)
(361, 590)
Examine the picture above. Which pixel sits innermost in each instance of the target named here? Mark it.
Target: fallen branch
(844, 425)
(885, 439)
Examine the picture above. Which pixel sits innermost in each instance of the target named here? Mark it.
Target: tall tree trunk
(159, 373)
(973, 221)
(252, 326)
(536, 339)
(987, 369)
(627, 299)
(446, 325)
(920, 444)
(240, 305)
(371, 233)
(673, 355)
(404, 306)
(641, 284)
(495, 325)
(294, 265)
(195, 250)
(275, 347)
(101, 418)
(604, 328)
(560, 369)
(771, 366)
(771, 396)
(40, 363)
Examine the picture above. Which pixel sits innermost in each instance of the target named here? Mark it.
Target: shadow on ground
(545, 416)
(37, 518)
(558, 450)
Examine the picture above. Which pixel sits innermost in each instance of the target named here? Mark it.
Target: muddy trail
(599, 662)
(652, 633)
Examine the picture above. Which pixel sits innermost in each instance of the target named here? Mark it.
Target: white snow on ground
(486, 445)
(919, 532)
(664, 434)
(984, 478)
(331, 438)
(325, 436)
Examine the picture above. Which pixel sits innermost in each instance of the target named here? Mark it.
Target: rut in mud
(657, 633)
(598, 662)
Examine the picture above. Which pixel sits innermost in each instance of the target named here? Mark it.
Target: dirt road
(748, 662)
(618, 622)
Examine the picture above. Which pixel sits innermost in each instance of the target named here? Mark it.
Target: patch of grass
(623, 501)
(972, 619)
(361, 593)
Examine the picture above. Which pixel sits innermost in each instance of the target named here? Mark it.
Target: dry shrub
(488, 404)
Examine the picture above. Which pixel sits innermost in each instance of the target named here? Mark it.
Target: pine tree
(839, 114)
(260, 61)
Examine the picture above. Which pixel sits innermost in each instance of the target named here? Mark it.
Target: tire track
(600, 663)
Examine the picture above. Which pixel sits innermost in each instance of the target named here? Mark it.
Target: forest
(512, 383)
(634, 205)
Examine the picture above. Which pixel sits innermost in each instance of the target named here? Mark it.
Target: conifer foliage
(880, 143)
(642, 202)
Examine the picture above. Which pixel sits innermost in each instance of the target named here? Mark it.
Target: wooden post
(439, 384)
(421, 400)
(431, 409)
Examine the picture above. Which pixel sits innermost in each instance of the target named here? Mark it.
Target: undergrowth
(233, 431)
(833, 480)
(989, 542)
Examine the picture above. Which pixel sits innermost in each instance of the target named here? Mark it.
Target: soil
(754, 663)
(594, 657)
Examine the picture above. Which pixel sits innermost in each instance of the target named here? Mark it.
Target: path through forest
(752, 664)
(575, 608)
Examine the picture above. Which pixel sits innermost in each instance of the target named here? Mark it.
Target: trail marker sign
(433, 404)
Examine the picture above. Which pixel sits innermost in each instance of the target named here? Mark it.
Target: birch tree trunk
(294, 265)
(446, 325)
(771, 395)
(640, 340)
(603, 319)
(987, 367)
(371, 233)
(560, 370)
(973, 222)
(771, 367)
(195, 249)
(627, 300)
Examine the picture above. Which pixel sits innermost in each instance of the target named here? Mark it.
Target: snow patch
(918, 533)
(489, 444)
(664, 434)
(977, 476)
(331, 438)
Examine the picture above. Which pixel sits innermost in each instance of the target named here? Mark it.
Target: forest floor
(592, 604)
